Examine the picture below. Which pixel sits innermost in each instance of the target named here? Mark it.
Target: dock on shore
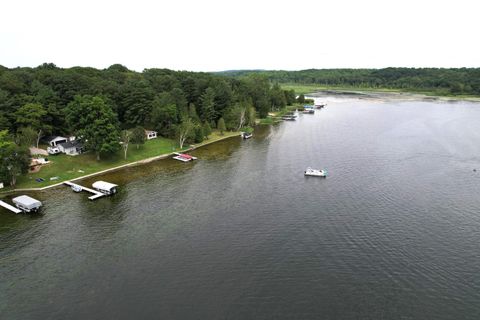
(10, 207)
(96, 194)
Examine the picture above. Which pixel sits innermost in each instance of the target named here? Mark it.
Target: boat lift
(96, 194)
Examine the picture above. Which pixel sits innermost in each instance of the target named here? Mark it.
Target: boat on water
(246, 135)
(320, 106)
(290, 118)
(308, 109)
(316, 173)
(27, 204)
(77, 188)
(184, 157)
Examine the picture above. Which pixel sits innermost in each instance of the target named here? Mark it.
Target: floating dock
(9, 207)
(96, 194)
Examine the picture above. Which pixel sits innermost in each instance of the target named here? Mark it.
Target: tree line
(443, 81)
(111, 105)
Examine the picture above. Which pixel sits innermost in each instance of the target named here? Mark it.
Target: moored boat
(308, 111)
(184, 157)
(246, 135)
(316, 173)
(77, 188)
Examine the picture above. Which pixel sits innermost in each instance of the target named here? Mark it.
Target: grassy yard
(69, 167)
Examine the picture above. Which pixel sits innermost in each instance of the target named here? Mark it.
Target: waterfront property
(65, 168)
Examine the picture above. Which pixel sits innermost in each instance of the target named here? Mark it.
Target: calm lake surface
(392, 233)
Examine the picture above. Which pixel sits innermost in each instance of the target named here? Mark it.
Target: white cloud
(217, 35)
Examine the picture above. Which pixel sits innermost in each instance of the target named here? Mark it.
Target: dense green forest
(441, 81)
(104, 107)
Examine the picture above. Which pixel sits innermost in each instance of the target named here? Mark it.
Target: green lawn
(69, 167)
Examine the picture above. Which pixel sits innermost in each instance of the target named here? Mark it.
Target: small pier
(9, 207)
(96, 194)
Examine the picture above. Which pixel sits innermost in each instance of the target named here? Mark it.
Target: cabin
(72, 148)
(105, 187)
(150, 134)
(27, 204)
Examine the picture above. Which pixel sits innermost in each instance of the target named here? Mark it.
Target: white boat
(184, 157)
(315, 172)
(308, 109)
(289, 117)
(246, 135)
(27, 204)
(77, 188)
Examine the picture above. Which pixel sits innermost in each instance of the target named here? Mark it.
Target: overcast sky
(211, 35)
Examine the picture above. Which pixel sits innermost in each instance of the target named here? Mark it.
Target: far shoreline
(379, 94)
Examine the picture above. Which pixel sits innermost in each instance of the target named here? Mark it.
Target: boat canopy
(102, 185)
(27, 202)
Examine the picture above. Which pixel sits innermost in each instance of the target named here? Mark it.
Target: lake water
(392, 233)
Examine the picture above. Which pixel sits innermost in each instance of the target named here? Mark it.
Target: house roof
(54, 138)
(71, 144)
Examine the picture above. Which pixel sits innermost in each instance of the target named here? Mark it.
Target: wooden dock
(96, 194)
(9, 207)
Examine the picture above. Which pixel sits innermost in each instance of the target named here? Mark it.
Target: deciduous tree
(33, 115)
(221, 126)
(92, 119)
(138, 136)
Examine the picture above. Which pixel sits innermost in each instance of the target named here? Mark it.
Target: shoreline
(389, 94)
(131, 164)
(376, 92)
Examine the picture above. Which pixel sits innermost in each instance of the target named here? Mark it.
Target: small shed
(105, 187)
(150, 134)
(27, 204)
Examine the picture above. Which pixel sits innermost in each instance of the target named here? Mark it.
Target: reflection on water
(241, 233)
